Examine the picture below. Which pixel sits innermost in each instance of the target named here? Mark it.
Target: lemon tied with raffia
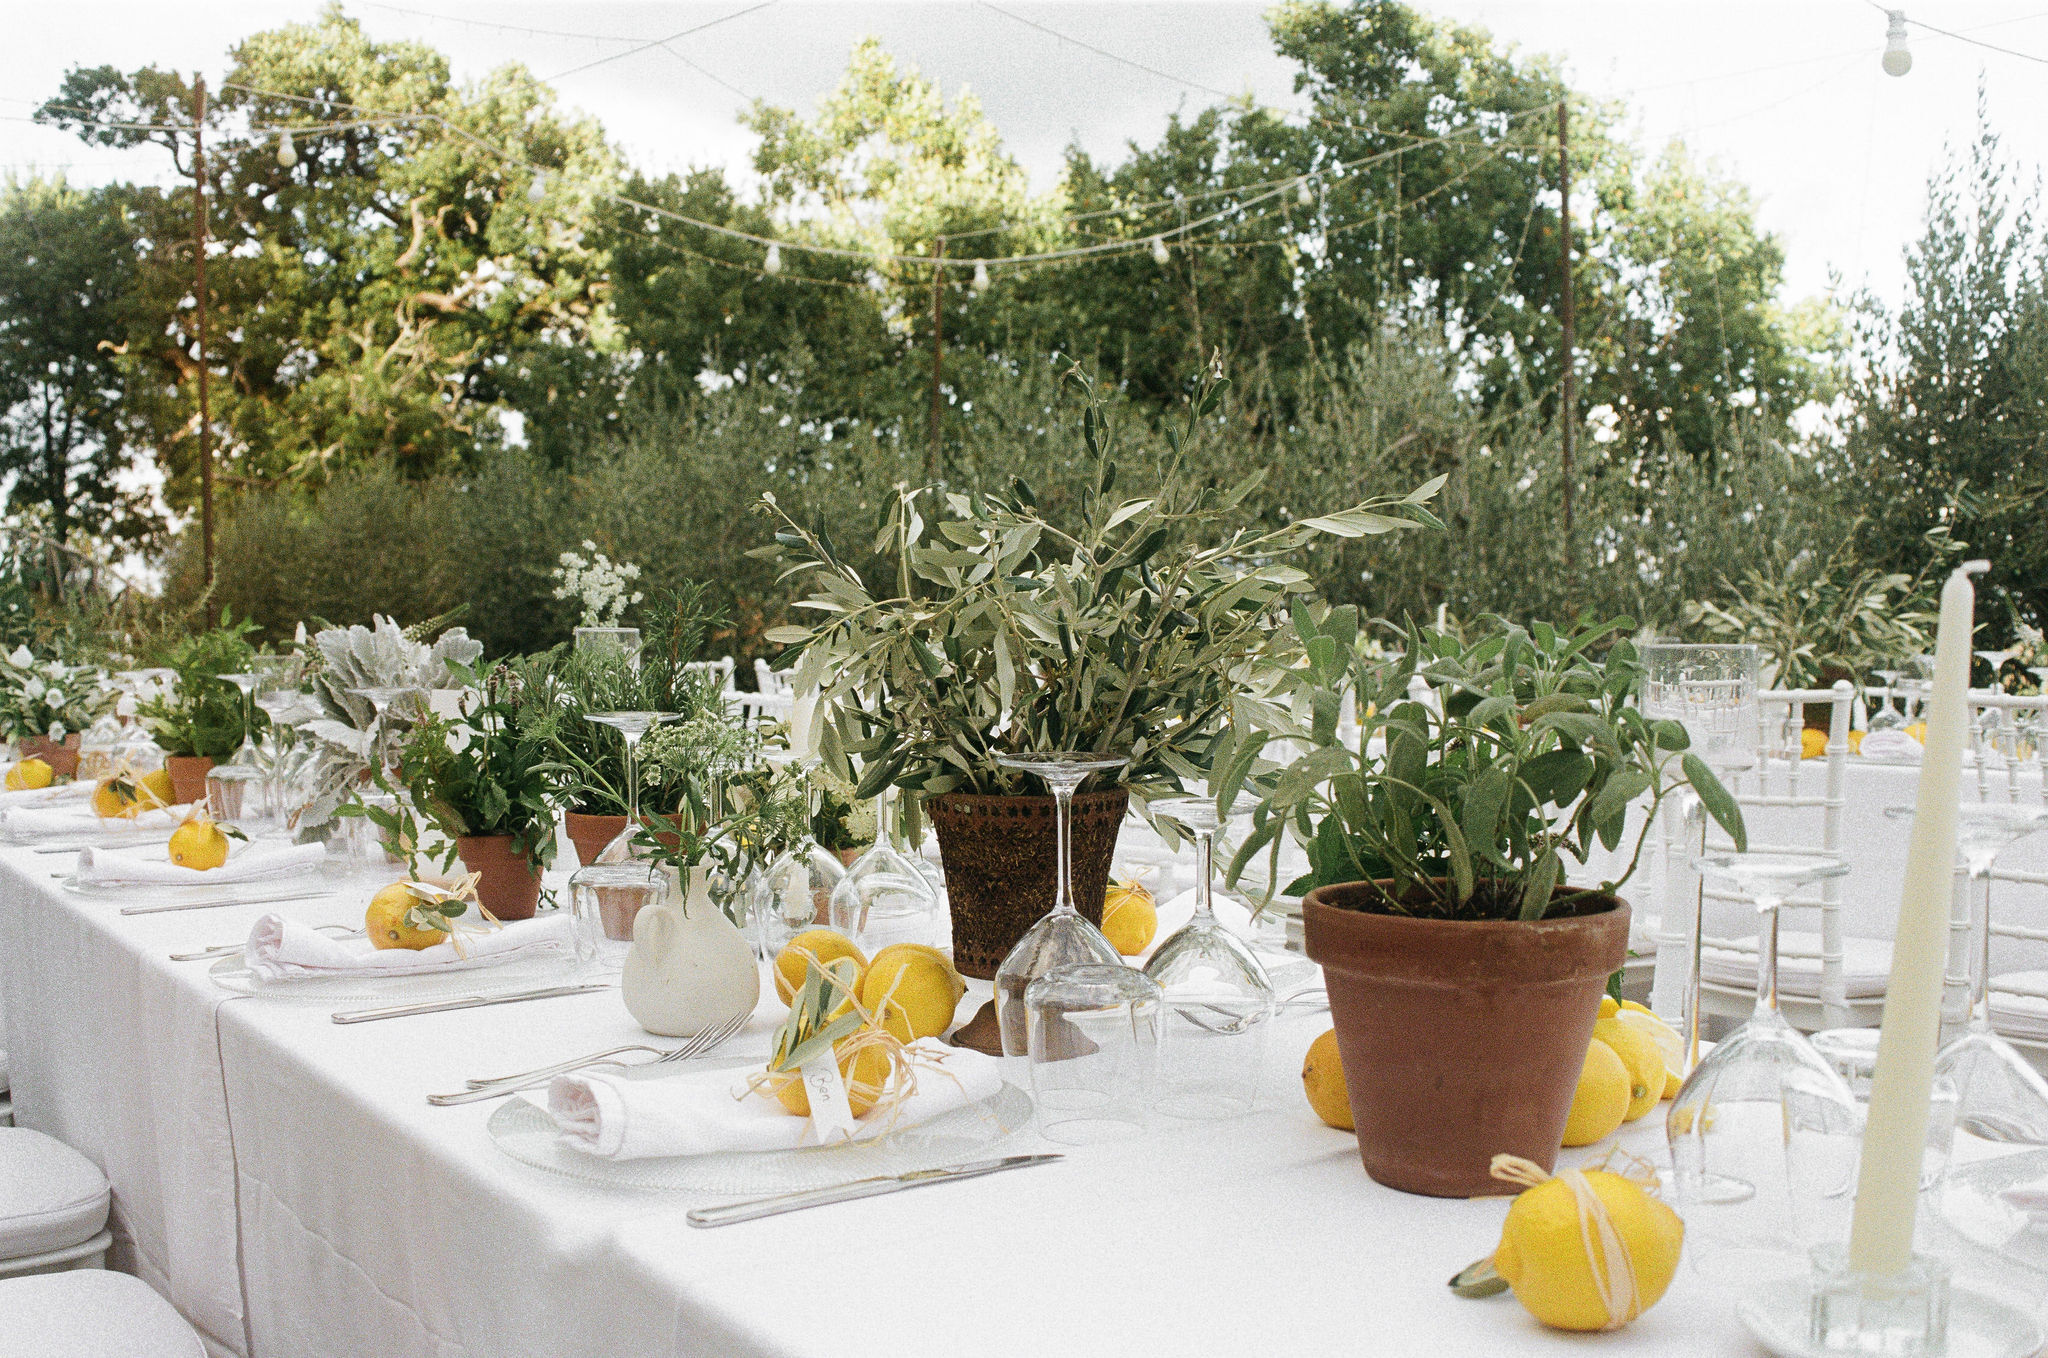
(1585, 1250)
(29, 775)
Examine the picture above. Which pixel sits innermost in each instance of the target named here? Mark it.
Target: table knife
(216, 903)
(755, 1208)
(466, 1002)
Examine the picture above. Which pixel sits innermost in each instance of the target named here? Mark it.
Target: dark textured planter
(188, 776)
(1000, 855)
(508, 882)
(61, 756)
(1460, 1039)
(590, 833)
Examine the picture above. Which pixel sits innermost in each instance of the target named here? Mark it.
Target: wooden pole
(199, 295)
(931, 456)
(1568, 404)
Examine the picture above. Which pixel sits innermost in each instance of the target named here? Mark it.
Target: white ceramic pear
(690, 968)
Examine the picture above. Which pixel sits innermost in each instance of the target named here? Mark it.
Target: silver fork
(230, 949)
(512, 1084)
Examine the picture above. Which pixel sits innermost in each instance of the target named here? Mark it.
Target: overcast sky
(1785, 95)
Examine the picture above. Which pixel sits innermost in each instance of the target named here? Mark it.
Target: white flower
(20, 658)
(54, 697)
(55, 669)
(33, 688)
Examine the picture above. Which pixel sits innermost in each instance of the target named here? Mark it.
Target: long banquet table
(283, 1180)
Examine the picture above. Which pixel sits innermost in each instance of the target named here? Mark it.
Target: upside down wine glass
(631, 726)
(1063, 937)
(1727, 1125)
(884, 897)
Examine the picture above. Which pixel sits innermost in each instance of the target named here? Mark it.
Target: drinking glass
(1093, 1040)
(884, 897)
(1063, 937)
(631, 726)
(794, 890)
(1884, 718)
(1727, 1126)
(1996, 660)
(245, 754)
(1217, 994)
(623, 641)
(604, 900)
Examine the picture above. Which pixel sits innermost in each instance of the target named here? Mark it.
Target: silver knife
(215, 904)
(116, 844)
(466, 1002)
(755, 1208)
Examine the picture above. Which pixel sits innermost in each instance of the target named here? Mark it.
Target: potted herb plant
(489, 781)
(201, 719)
(1464, 967)
(1128, 626)
(46, 703)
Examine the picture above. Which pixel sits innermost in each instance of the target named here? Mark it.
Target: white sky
(1837, 153)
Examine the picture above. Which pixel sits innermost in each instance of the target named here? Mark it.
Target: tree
(67, 265)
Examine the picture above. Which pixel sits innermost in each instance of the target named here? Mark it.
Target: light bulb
(287, 154)
(1159, 255)
(980, 283)
(1302, 194)
(772, 264)
(538, 189)
(1898, 58)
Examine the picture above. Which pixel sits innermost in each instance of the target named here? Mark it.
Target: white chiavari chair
(2010, 768)
(53, 1206)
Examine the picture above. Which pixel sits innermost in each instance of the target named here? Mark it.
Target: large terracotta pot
(1000, 856)
(590, 833)
(508, 882)
(188, 776)
(61, 756)
(1460, 1039)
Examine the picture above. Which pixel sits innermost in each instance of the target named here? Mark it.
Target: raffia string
(1616, 1284)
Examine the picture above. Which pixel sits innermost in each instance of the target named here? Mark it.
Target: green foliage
(1130, 629)
(204, 713)
(44, 695)
(492, 771)
(1538, 752)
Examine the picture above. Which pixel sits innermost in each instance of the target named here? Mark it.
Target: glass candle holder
(1903, 1315)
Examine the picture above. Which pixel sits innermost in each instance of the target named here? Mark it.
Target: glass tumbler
(1093, 1035)
(604, 901)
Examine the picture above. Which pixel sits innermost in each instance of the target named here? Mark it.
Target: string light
(287, 154)
(980, 283)
(1898, 58)
(1159, 255)
(772, 264)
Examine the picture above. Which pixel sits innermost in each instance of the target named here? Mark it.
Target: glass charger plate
(524, 1131)
(233, 974)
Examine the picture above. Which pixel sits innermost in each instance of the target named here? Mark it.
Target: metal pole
(199, 294)
(931, 456)
(1568, 407)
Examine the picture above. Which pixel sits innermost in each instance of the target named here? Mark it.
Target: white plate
(524, 1131)
(1979, 1326)
(232, 974)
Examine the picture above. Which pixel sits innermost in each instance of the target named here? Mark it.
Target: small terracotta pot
(62, 757)
(590, 833)
(188, 776)
(508, 882)
(1460, 1039)
(1002, 871)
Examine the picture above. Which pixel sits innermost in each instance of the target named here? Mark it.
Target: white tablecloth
(284, 1181)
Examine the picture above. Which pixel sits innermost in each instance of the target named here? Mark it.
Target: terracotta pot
(590, 833)
(508, 882)
(847, 857)
(188, 776)
(1000, 856)
(62, 757)
(1460, 1039)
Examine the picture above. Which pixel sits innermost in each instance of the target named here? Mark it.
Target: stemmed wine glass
(631, 726)
(245, 755)
(1217, 994)
(1727, 1125)
(884, 897)
(1996, 660)
(2001, 1097)
(1064, 937)
(794, 888)
(380, 698)
(1884, 718)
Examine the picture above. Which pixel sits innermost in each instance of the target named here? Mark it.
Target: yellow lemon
(1855, 742)
(912, 990)
(1609, 1006)
(29, 774)
(1673, 1082)
(1129, 918)
(385, 925)
(199, 843)
(1602, 1098)
(1322, 1078)
(125, 796)
(1543, 1253)
(1918, 730)
(1669, 1043)
(867, 1072)
(1644, 1059)
(1812, 744)
(793, 962)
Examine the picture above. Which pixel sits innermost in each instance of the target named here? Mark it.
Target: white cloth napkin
(279, 949)
(54, 795)
(29, 823)
(1893, 745)
(246, 863)
(706, 1111)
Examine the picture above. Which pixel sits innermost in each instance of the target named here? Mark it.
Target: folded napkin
(54, 795)
(280, 949)
(1893, 745)
(28, 823)
(706, 1111)
(246, 863)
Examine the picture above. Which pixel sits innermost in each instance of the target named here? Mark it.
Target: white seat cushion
(2019, 1004)
(51, 1197)
(1866, 964)
(91, 1313)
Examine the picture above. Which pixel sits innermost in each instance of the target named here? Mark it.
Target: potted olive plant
(1126, 626)
(200, 720)
(489, 781)
(1464, 967)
